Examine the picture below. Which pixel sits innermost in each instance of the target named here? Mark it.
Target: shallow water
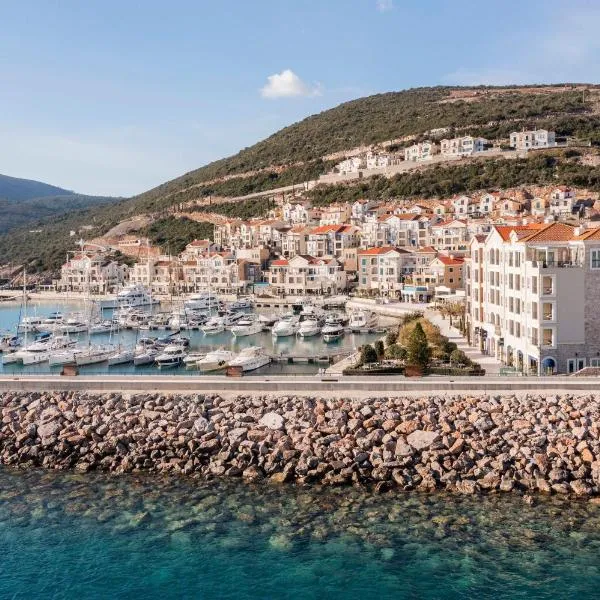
(9, 318)
(95, 536)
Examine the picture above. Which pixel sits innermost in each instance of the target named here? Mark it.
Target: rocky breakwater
(464, 444)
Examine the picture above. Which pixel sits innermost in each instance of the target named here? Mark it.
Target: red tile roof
(281, 262)
(450, 261)
(381, 250)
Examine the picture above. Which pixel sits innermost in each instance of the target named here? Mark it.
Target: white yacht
(286, 326)
(64, 357)
(130, 296)
(171, 356)
(30, 324)
(332, 332)
(251, 358)
(94, 354)
(40, 350)
(10, 343)
(309, 328)
(213, 361)
(192, 358)
(105, 326)
(231, 318)
(362, 319)
(145, 355)
(240, 304)
(121, 357)
(249, 325)
(213, 326)
(202, 301)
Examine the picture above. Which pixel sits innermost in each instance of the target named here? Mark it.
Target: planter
(413, 371)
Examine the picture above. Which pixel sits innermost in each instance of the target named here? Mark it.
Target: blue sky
(115, 97)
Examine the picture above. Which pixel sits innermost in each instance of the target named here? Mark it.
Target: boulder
(272, 420)
(420, 440)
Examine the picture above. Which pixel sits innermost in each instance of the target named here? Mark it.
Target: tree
(419, 352)
(368, 354)
(391, 337)
(379, 348)
(395, 352)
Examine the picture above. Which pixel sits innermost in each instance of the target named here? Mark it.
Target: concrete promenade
(350, 387)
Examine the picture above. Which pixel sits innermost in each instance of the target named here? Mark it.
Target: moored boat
(213, 361)
(250, 359)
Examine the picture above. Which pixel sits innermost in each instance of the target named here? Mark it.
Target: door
(575, 364)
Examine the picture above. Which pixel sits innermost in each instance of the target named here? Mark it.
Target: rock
(272, 420)
(48, 429)
(420, 439)
(467, 487)
(581, 488)
(402, 448)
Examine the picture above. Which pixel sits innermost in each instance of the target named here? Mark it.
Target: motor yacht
(10, 343)
(213, 326)
(362, 319)
(251, 358)
(286, 326)
(309, 327)
(171, 356)
(202, 301)
(41, 349)
(241, 304)
(249, 325)
(231, 318)
(145, 355)
(192, 358)
(213, 361)
(130, 296)
(332, 332)
(30, 324)
(105, 326)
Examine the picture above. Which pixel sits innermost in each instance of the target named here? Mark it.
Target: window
(595, 259)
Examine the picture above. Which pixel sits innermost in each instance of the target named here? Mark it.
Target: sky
(113, 97)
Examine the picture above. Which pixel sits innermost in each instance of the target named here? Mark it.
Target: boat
(145, 356)
(332, 332)
(268, 320)
(130, 296)
(202, 301)
(241, 304)
(10, 342)
(215, 360)
(73, 324)
(30, 324)
(64, 357)
(192, 358)
(362, 319)
(171, 356)
(52, 321)
(94, 354)
(105, 326)
(121, 357)
(231, 318)
(309, 328)
(286, 326)
(213, 326)
(251, 358)
(41, 350)
(249, 325)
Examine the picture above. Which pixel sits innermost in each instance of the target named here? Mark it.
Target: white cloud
(288, 85)
(385, 5)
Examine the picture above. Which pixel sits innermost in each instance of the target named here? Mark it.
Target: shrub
(459, 357)
(419, 352)
(368, 354)
(395, 351)
(391, 337)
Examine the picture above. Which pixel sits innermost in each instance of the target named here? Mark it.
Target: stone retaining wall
(460, 443)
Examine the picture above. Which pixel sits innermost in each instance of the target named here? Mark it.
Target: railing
(556, 264)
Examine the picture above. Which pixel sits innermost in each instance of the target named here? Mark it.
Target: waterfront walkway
(340, 386)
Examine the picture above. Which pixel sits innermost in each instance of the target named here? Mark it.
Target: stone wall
(459, 443)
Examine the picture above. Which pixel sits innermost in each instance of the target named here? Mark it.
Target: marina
(173, 338)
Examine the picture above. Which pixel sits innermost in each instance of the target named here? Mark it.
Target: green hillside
(294, 154)
(13, 188)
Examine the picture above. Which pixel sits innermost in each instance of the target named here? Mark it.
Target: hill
(13, 189)
(306, 149)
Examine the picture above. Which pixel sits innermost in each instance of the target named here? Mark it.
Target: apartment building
(92, 273)
(447, 270)
(421, 151)
(450, 236)
(307, 275)
(463, 146)
(330, 240)
(526, 140)
(561, 202)
(533, 293)
(351, 165)
(384, 269)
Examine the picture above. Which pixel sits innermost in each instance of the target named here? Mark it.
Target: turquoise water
(9, 318)
(75, 536)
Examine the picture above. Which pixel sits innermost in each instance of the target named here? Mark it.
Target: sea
(282, 347)
(73, 536)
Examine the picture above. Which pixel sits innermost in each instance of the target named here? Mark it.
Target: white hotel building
(533, 296)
